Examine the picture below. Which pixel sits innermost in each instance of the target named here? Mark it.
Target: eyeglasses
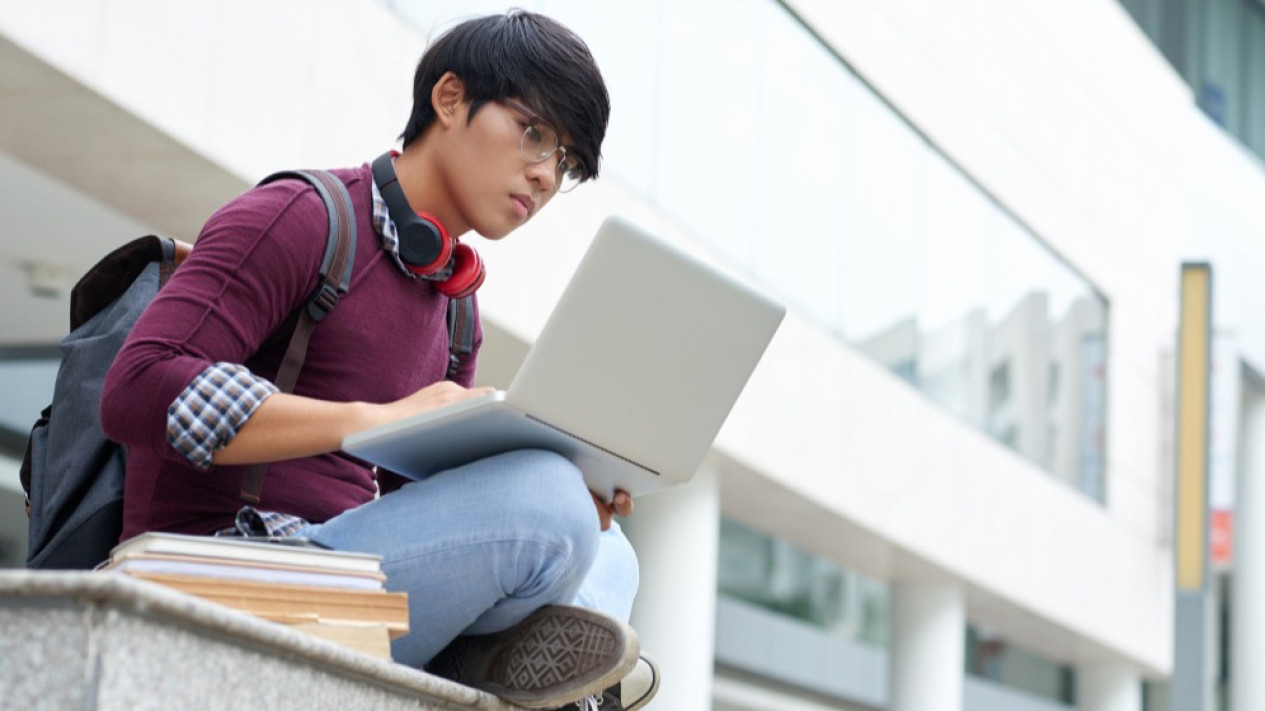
(540, 142)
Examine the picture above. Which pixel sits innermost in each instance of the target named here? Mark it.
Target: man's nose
(546, 171)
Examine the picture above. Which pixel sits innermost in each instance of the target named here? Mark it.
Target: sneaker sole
(560, 655)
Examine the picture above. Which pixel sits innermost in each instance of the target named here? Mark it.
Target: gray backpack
(72, 474)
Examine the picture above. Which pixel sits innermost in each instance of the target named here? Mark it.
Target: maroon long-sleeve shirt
(255, 261)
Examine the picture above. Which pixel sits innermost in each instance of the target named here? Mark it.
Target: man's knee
(548, 492)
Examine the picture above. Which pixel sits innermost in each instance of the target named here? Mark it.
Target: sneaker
(631, 693)
(642, 683)
(557, 656)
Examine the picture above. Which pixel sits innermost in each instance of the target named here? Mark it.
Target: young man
(508, 110)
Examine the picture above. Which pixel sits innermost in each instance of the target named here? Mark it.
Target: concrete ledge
(105, 641)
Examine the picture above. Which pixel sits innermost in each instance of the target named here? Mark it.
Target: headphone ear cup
(425, 246)
(467, 273)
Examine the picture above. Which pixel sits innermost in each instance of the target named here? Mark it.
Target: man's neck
(422, 181)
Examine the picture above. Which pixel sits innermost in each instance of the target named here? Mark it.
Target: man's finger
(622, 504)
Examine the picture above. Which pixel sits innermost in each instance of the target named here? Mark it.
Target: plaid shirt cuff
(273, 524)
(208, 413)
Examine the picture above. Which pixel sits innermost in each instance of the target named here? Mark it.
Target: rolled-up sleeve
(209, 412)
(172, 390)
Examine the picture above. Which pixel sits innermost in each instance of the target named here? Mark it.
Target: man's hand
(621, 505)
(436, 395)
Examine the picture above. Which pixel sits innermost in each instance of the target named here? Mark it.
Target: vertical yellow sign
(1194, 344)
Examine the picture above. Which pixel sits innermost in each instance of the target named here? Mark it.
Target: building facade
(948, 484)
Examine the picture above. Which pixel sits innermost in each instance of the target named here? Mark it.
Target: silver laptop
(631, 378)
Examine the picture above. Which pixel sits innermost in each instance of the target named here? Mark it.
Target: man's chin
(497, 232)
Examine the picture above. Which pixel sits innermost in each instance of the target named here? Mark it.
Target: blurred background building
(949, 484)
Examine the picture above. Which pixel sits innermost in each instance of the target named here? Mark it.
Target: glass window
(1218, 46)
(780, 577)
(26, 378)
(1254, 79)
(991, 657)
(1221, 64)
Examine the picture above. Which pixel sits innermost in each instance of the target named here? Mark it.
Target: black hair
(526, 56)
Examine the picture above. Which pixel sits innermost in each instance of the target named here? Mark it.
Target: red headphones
(426, 248)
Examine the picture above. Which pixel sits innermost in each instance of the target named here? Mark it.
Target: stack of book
(330, 594)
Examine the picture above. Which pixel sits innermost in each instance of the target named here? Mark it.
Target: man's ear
(448, 98)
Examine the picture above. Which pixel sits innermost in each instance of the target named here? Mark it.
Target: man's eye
(532, 133)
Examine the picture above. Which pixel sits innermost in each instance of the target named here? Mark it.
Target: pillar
(1247, 636)
(1108, 688)
(676, 533)
(928, 651)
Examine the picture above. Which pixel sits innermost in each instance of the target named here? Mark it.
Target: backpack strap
(460, 333)
(174, 253)
(335, 279)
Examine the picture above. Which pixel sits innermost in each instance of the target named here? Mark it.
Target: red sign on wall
(1222, 538)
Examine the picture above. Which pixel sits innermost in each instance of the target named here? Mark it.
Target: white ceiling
(54, 226)
(80, 175)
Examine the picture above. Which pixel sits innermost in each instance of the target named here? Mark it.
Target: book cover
(241, 549)
(281, 573)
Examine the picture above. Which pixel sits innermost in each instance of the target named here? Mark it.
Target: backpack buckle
(322, 302)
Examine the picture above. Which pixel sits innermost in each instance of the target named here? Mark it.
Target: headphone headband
(426, 248)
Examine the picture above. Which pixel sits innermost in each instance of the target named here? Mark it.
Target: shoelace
(590, 703)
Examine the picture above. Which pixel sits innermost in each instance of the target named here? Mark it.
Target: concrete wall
(109, 642)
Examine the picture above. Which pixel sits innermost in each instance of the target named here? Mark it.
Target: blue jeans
(480, 547)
